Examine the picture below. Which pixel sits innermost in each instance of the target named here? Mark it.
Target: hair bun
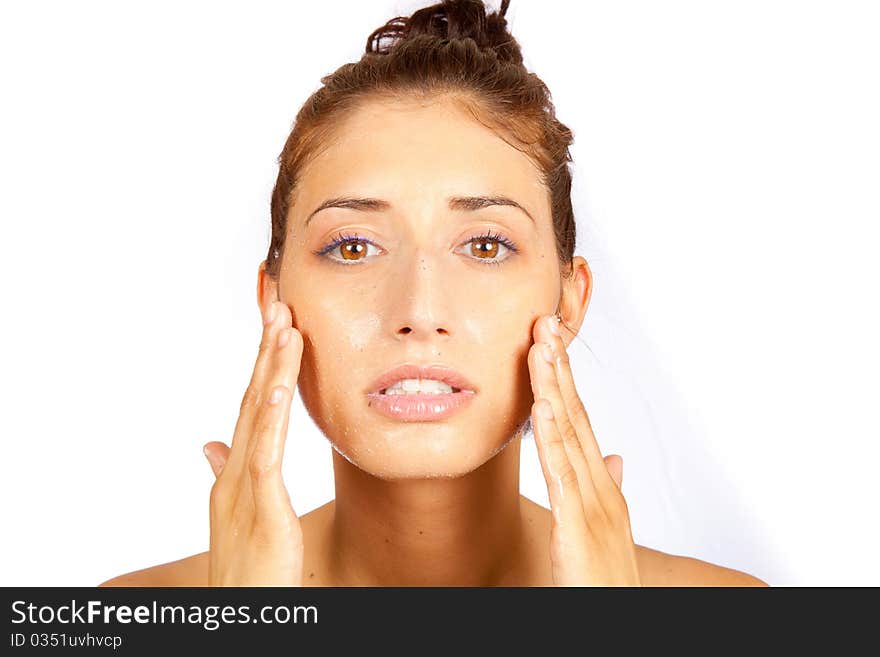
(451, 19)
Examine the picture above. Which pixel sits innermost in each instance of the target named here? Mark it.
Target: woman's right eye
(349, 250)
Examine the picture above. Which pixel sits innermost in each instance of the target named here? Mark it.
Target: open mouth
(420, 387)
(420, 393)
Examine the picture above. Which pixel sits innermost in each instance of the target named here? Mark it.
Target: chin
(417, 450)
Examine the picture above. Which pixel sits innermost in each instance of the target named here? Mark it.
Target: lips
(421, 407)
(412, 371)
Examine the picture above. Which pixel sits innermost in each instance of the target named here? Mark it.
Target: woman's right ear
(267, 292)
(267, 288)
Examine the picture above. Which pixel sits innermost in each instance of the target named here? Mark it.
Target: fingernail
(283, 337)
(275, 397)
(553, 324)
(547, 352)
(271, 311)
(546, 410)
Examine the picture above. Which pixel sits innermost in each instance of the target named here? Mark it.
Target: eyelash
(342, 238)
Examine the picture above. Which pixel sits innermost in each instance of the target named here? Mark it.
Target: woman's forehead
(409, 149)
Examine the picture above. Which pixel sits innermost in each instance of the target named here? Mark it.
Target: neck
(463, 531)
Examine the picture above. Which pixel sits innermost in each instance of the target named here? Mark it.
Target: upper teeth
(415, 386)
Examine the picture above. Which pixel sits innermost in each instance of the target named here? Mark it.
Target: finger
(614, 463)
(283, 372)
(561, 478)
(256, 391)
(545, 385)
(574, 407)
(266, 445)
(217, 453)
(271, 501)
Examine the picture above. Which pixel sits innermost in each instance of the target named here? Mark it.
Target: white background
(727, 161)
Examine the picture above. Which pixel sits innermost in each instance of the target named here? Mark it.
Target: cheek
(500, 319)
(360, 331)
(497, 339)
(338, 336)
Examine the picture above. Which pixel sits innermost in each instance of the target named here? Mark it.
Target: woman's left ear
(577, 289)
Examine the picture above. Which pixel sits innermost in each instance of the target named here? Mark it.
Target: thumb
(614, 463)
(216, 453)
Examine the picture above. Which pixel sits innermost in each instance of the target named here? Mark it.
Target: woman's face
(418, 282)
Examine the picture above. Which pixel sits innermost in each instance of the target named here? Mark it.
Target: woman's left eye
(491, 248)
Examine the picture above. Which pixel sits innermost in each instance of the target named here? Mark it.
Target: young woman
(421, 289)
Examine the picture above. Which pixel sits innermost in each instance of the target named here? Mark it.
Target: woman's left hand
(590, 541)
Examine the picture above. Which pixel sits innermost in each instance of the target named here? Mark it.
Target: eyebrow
(467, 203)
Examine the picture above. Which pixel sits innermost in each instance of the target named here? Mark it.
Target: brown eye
(349, 250)
(491, 248)
(484, 249)
(353, 250)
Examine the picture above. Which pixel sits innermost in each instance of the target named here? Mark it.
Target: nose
(421, 309)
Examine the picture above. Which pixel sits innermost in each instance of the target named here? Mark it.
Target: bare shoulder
(661, 569)
(189, 571)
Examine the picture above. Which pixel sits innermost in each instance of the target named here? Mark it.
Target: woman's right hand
(256, 538)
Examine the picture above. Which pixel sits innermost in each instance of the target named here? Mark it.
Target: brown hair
(454, 49)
